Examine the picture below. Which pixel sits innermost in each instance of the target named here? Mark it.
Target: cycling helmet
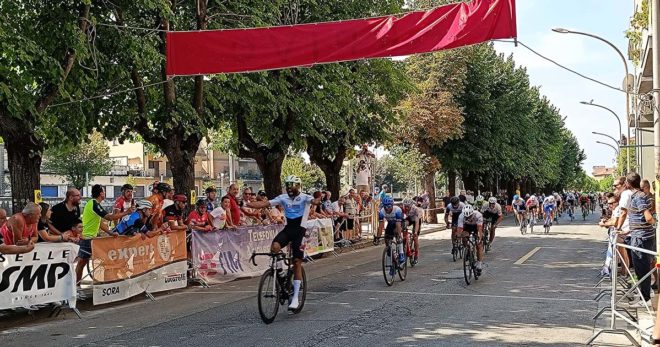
(408, 202)
(492, 200)
(143, 204)
(163, 187)
(454, 200)
(126, 187)
(515, 197)
(468, 211)
(201, 202)
(526, 196)
(181, 198)
(479, 198)
(551, 198)
(387, 202)
(294, 180)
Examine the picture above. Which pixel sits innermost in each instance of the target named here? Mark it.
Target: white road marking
(527, 256)
(468, 295)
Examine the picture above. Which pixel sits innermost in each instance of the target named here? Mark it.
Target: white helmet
(143, 204)
(480, 198)
(291, 179)
(468, 211)
(492, 200)
(551, 198)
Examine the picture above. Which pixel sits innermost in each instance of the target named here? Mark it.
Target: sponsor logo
(110, 291)
(129, 252)
(263, 235)
(175, 278)
(164, 247)
(31, 278)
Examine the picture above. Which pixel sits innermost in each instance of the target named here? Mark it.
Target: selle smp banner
(257, 49)
(223, 256)
(126, 266)
(45, 275)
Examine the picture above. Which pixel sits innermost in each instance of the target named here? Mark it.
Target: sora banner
(45, 275)
(126, 266)
(223, 256)
(257, 49)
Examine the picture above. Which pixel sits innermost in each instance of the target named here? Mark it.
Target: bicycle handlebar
(278, 256)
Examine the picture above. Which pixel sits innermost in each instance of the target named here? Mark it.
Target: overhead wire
(111, 94)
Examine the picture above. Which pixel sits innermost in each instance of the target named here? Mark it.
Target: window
(153, 164)
(49, 191)
(138, 192)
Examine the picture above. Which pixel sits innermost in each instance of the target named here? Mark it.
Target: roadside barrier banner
(45, 275)
(126, 266)
(223, 256)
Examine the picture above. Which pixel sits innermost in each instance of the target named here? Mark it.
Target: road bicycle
(276, 286)
(391, 265)
(470, 259)
(486, 236)
(585, 212)
(409, 244)
(531, 222)
(523, 224)
(547, 223)
(457, 249)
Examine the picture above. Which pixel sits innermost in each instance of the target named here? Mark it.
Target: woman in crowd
(42, 227)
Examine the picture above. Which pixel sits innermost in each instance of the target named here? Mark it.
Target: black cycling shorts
(294, 233)
(410, 221)
(454, 219)
(492, 217)
(470, 228)
(390, 230)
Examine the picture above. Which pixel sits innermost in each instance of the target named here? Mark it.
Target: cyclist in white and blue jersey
(296, 209)
(394, 217)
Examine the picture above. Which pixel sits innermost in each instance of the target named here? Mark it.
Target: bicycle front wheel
(388, 265)
(269, 296)
(403, 269)
(302, 293)
(467, 267)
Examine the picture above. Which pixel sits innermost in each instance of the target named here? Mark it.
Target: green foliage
(406, 165)
(310, 174)
(638, 22)
(584, 183)
(77, 163)
(622, 159)
(605, 185)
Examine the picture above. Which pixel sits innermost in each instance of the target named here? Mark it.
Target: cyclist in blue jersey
(139, 222)
(394, 217)
(296, 209)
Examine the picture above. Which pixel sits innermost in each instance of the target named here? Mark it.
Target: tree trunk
(182, 162)
(271, 169)
(24, 159)
(333, 182)
(451, 182)
(429, 177)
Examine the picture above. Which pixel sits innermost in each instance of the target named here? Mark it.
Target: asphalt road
(536, 290)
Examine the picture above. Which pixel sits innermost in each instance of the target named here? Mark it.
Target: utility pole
(655, 17)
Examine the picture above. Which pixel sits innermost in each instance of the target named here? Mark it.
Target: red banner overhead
(247, 50)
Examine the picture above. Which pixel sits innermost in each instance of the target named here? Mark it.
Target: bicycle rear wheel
(411, 259)
(302, 293)
(268, 296)
(388, 263)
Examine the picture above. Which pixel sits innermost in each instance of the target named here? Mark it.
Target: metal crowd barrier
(618, 291)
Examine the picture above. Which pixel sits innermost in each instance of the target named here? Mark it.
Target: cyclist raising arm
(296, 209)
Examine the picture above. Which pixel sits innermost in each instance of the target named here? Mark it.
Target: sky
(606, 18)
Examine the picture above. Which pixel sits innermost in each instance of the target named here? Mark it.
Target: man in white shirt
(363, 176)
(622, 226)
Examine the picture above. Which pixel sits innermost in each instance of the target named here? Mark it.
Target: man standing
(383, 192)
(232, 192)
(642, 234)
(210, 198)
(125, 201)
(362, 177)
(66, 213)
(92, 216)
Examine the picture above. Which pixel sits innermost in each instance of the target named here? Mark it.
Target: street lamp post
(618, 144)
(625, 65)
(607, 144)
(591, 103)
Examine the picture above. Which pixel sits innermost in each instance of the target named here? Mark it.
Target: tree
(43, 45)
(310, 174)
(622, 158)
(80, 163)
(605, 185)
(406, 163)
(430, 116)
